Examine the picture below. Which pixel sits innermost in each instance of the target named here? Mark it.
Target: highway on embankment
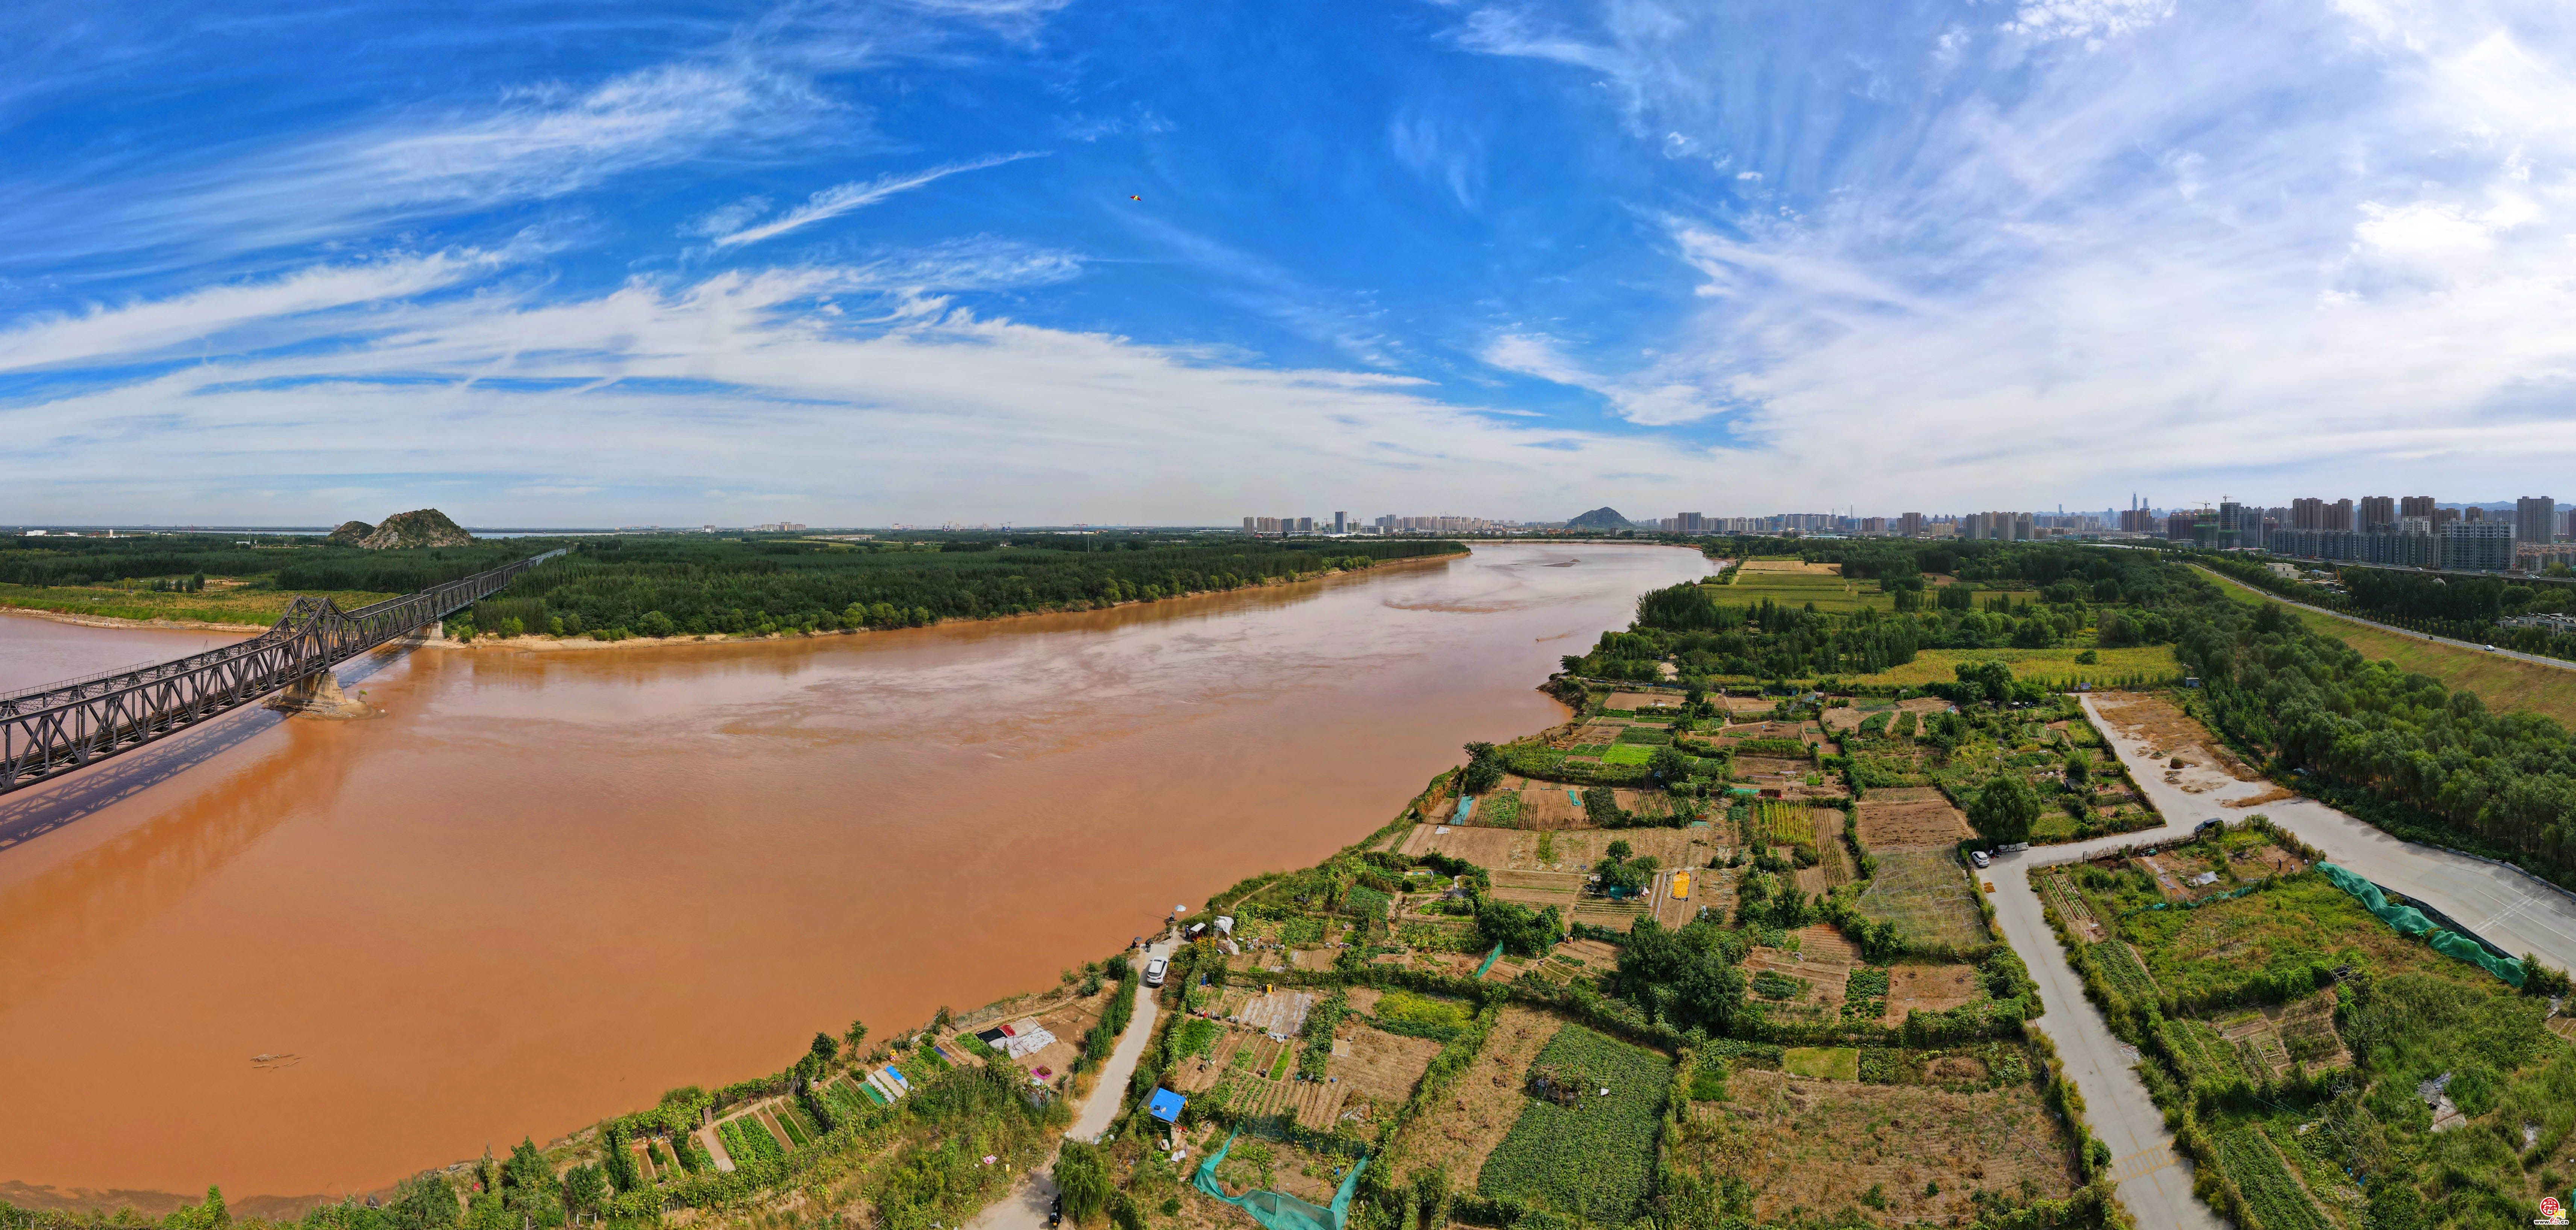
(2394, 630)
(2509, 908)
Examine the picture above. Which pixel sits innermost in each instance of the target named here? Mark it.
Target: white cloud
(839, 199)
(146, 329)
(635, 403)
(2064, 272)
(2090, 20)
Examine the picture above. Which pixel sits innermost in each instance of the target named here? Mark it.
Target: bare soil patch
(1931, 988)
(2273, 795)
(1641, 700)
(1823, 1145)
(1797, 567)
(1457, 1132)
(1890, 823)
(2170, 735)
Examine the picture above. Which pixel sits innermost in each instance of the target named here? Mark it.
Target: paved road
(2472, 646)
(2154, 1180)
(2511, 909)
(1025, 1208)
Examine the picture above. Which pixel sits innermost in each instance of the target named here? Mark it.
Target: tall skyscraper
(2308, 513)
(2532, 515)
(2377, 511)
(2338, 516)
(2415, 506)
(1341, 523)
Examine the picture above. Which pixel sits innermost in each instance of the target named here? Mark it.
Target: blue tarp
(1466, 808)
(1165, 1105)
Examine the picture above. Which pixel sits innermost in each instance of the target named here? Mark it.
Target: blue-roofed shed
(1164, 1105)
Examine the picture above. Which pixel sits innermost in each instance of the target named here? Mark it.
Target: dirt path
(1025, 1207)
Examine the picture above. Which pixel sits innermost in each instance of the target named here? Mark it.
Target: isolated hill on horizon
(350, 534)
(1602, 518)
(426, 527)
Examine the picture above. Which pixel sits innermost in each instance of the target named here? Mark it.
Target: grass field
(1794, 589)
(2503, 683)
(1613, 1136)
(1928, 896)
(2302, 919)
(252, 608)
(1835, 1063)
(2053, 665)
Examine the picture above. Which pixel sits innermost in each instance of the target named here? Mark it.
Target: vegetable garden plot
(1824, 1146)
(1890, 822)
(1614, 1133)
(1928, 896)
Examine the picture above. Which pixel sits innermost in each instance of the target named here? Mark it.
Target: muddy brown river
(546, 886)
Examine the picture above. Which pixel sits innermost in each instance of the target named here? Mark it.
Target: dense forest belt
(2504, 683)
(666, 585)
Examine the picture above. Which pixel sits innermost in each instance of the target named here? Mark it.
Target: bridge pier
(318, 695)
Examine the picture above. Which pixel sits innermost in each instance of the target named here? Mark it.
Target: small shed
(1165, 1105)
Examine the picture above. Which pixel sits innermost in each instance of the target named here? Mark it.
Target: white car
(1154, 971)
(1979, 858)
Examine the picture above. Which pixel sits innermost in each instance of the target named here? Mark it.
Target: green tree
(1993, 679)
(1083, 1178)
(2003, 809)
(585, 1188)
(826, 1047)
(422, 1202)
(2079, 767)
(854, 1035)
(1484, 770)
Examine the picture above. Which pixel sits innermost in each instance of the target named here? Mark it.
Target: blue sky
(872, 262)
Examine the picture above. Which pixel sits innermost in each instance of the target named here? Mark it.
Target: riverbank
(690, 861)
(14, 605)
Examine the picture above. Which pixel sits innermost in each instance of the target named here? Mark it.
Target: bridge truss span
(52, 730)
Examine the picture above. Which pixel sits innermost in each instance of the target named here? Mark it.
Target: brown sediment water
(547, 886)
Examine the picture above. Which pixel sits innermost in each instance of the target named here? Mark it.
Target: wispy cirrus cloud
(204, 319)
(839, 199)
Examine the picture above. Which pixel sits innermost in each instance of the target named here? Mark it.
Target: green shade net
(1490, 958)
(1277, 1211)
(2411, 921)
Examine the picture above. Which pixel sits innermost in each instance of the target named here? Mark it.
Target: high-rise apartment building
(2415, 506)
(1910, 525)
(2308, 513)
(2376, 511)
(2480, 546)
(1341, 523)
(2532, 516)
(2338, 516)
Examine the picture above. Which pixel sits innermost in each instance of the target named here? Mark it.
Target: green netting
(2405, 918)
(1490, 958)
(2454, 944)
(1275, 1210)
(2411, 921)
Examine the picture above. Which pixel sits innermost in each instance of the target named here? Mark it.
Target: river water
(546, 886)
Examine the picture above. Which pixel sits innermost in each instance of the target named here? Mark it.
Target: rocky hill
(425, 527)
(1602, 518)
(350, 534)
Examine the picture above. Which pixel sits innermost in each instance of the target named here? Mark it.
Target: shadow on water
(41, 809)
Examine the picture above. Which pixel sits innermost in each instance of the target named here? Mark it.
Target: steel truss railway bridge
(49, 731)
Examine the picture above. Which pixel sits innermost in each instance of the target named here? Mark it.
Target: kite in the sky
(1135, 198)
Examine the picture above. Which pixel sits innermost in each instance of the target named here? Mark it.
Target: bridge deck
(48, 731)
